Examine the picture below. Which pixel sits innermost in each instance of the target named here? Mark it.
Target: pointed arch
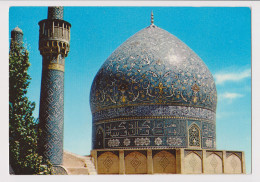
(135, 163)
(108, 163)
(192, 164)
(99, 138)
(214, 164)
(164, 162)
(194, 136)
(233, 164)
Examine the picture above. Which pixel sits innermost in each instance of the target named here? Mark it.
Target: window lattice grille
(194, 136)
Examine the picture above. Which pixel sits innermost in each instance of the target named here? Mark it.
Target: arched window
(194, 136)
(99, 138)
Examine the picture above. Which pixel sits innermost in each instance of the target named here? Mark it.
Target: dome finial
(152, 17)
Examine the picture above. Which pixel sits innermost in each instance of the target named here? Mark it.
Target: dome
(150, 92)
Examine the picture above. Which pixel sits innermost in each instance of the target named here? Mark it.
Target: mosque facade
(153, 105)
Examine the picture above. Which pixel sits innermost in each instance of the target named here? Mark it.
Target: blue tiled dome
(153, 75)
(153, 67)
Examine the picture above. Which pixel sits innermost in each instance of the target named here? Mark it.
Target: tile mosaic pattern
(194, 136)
(55, 12)
(145, 133)
(17, 36)
(153, 67)
(149, 91)
(153, 111)
(52, 116)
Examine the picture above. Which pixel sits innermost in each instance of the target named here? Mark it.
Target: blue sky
(220, 36)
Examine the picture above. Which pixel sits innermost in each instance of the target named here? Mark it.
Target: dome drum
(153, 126)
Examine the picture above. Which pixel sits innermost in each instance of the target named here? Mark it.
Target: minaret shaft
(52, 115)
(54, 37)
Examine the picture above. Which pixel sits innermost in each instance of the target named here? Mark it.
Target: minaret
(17, 36)
(54, 38)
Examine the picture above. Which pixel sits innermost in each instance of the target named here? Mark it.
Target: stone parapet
(168, 161)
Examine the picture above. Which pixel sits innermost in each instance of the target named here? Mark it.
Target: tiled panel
(52, 115)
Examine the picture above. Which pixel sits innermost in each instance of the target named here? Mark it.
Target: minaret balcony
(58, 30)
